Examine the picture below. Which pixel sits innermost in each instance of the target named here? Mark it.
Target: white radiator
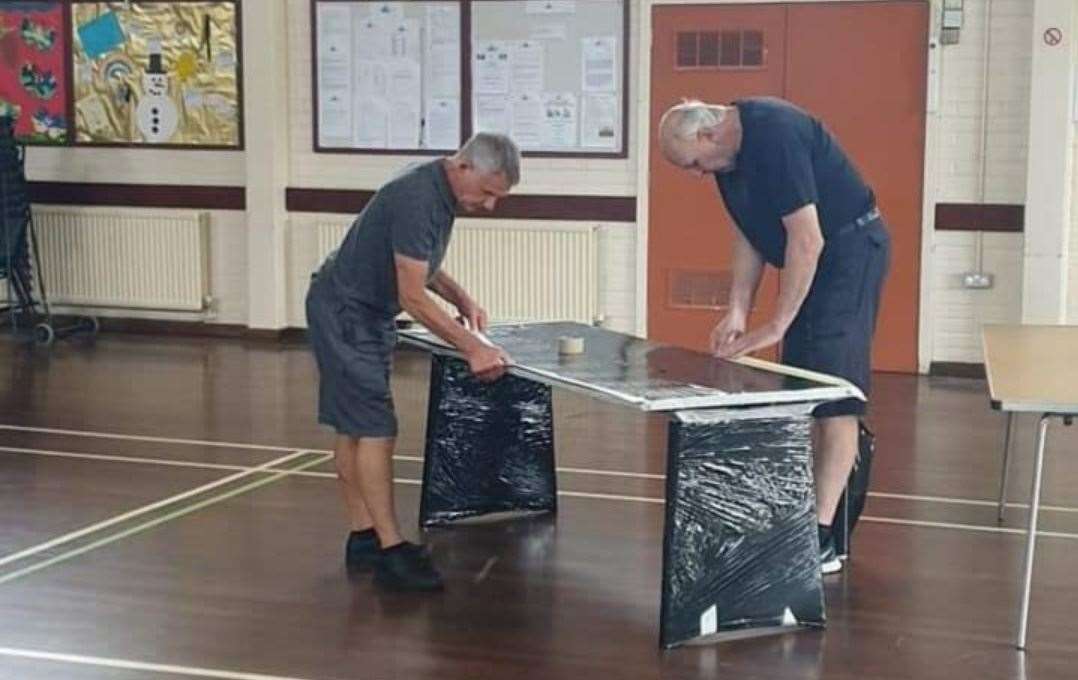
(517, 273)
(141, 259)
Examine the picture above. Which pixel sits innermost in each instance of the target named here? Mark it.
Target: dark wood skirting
(338, 201)
(139, 195)
(956, 369)
(980, 217)
(521, 207)
(199, 329)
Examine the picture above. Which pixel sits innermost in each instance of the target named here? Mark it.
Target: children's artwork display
(157, 73)
(33, 84)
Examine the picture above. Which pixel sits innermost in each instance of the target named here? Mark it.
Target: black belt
(862, 221)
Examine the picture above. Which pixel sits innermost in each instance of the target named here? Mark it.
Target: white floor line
(966, 501)
(33, 550)
(150, 524)
(110, 458)
(129, 664)
(567, 470)
(965, 527)
(145, 438)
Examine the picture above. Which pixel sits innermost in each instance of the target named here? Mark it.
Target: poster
(599, 64)
(157, 73)
(601, 122)
(33, 82)
(388, 75)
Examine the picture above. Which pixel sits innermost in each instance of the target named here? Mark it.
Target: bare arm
(804, 243)
(452, 292)
(449, 290)
(486, 361)
(748, 267)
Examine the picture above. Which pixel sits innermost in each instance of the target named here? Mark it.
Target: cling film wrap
(156, 73)
(742, 548)
(490, 446)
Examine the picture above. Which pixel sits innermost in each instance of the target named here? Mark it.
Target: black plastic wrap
(741, 545)
(490, 447)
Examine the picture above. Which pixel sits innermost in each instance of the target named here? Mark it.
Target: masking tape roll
(570, 345)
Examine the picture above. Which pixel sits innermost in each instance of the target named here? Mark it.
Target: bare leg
(345, 452)
(373, 463)
(836, 451)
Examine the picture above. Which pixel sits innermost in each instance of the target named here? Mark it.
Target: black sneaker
(406, 566)
(829, 559)
(361, 551)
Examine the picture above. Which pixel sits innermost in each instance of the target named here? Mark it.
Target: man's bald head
(699, 137)
(685, 120)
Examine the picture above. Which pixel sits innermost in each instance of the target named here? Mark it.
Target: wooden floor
(215, 537)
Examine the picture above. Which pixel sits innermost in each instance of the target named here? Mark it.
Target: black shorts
(354, 349)
(833, 331)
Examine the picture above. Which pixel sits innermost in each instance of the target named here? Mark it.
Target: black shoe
(361, 551)
(829, 559)
(406, 566)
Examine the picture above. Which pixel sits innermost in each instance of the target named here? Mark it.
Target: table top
(649, 376)
(1032, 368)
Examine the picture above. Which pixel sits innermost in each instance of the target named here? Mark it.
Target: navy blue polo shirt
(788, 160)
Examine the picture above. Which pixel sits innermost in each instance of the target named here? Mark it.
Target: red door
(858, 66)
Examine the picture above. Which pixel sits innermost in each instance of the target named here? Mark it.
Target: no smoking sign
(1053, 36)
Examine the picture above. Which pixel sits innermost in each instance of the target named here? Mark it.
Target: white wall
(955, 314)
(228, 229)
(952, 316)
(592, 177)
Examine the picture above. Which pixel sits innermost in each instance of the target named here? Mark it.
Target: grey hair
(686, 119)
(489, 152)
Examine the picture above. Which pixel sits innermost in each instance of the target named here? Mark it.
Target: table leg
(1006, 464)
(490, 446)
(740, 550)
(1031, 538)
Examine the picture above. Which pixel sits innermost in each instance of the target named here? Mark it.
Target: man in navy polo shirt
(800, 205)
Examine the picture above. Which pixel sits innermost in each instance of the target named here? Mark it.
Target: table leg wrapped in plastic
(741, 552)
(490, 447)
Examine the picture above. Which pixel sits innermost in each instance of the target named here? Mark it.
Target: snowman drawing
(156, 114)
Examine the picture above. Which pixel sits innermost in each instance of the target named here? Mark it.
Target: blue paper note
(101, 36)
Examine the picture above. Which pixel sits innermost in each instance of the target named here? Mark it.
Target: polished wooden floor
(244, 578)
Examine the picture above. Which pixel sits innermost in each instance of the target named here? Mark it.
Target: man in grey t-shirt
(390, 258)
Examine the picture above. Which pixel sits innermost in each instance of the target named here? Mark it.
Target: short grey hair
(489, 152)
(686, 119)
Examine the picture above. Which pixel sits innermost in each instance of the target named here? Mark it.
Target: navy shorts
(353, 346)
(833, 331)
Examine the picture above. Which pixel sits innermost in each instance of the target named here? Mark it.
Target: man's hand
(728, 330)
(764, 336)
(487, 362)
(474, 316)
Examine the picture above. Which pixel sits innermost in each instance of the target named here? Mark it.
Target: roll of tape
(570, 345)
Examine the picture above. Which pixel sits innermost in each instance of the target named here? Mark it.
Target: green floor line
(145, 526)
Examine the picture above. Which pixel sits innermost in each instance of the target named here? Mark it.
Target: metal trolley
(23, 308)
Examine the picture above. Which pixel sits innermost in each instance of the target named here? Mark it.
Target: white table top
(648, 376)
(1032, 368)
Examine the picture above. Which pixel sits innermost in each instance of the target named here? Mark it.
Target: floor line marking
(112, 458)
(145, 438)
(33, 550)
(130, 664)
(569, 470)
(146, 526)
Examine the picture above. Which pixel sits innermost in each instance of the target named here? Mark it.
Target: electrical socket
(977, 280)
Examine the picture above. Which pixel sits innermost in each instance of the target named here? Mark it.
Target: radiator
(517, 273)
(124, 258)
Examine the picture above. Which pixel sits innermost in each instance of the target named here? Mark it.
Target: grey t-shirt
(412, 215)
